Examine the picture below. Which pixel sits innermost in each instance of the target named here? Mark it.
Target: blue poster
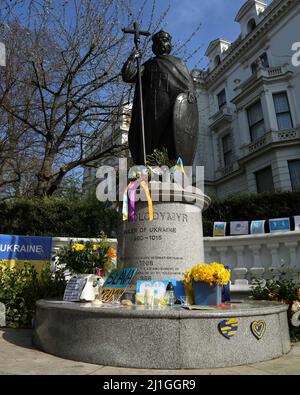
(257, 227)
(279, 225)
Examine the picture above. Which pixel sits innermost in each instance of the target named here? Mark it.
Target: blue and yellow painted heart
(258, 328)
(229, 327)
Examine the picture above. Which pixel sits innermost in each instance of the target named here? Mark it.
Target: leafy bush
(282, 288)
(57, 216)
(249, 207)
(21, 288)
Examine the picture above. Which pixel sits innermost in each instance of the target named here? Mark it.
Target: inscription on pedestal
(166, 246)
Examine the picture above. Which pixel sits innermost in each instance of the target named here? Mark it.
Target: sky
(216, 18)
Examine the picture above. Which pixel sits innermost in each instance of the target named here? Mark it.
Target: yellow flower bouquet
(213, 273)
(210, 278)
(88, 257)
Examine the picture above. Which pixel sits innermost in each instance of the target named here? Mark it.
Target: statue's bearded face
(161, 45)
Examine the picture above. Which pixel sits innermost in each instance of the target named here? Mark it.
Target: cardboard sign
(116, 284)
(219, 229)
(239, 228)
(257, 227)
(16, 250)
(279, 225)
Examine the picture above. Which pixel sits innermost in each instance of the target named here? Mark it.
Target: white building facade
(249, 137)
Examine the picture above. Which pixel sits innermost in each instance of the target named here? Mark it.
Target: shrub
(249, 207)
(282, 288)
(57, 216)
(21, 288)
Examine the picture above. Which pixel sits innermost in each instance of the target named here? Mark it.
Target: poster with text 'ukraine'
(17, 250)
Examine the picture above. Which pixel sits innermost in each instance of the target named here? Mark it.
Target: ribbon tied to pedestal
(130, 192)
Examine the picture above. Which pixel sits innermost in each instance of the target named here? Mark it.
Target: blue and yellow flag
(15, 251)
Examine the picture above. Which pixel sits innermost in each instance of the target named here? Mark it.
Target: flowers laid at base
(87, 257)
(203, 283)
(92, 260)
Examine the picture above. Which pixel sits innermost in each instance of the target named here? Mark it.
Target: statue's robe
(164, 77)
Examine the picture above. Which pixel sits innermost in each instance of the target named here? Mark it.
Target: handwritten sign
(116, 284)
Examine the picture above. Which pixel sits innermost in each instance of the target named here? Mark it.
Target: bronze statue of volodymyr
(169, 104)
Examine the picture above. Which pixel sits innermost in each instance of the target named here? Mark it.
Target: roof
(247, 6)
(213, 44)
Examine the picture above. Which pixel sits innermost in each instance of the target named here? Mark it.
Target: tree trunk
(45, 174)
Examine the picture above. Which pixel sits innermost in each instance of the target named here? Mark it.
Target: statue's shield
(186, 124)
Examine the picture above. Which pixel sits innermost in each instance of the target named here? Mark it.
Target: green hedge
(56, 216)
(87, 217)
(252, 206)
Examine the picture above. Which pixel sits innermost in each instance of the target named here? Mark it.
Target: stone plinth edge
(139, 337)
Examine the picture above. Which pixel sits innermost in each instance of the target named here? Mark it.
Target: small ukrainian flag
(180, 165)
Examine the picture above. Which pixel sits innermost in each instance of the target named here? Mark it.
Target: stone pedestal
(170, 244)
(160, 338)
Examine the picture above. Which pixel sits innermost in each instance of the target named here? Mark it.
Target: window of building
(264, 180)
(294, 167)
(227, 149)
(256, 121)
(222, 99)
(217, 60)
(264, 61)
(282, 110)
(251, 25)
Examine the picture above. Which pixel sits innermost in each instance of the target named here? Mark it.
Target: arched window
(251, 25)
(217, 60)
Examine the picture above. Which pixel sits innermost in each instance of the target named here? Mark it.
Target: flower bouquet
(205, 281)
(88, 257)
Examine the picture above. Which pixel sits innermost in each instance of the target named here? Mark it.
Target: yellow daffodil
(78, 247)
(214, 273)
(95, 247)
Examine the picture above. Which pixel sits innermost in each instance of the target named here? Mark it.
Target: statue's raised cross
(137, 33)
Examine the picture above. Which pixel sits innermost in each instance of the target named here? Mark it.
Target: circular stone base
(160, 338)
